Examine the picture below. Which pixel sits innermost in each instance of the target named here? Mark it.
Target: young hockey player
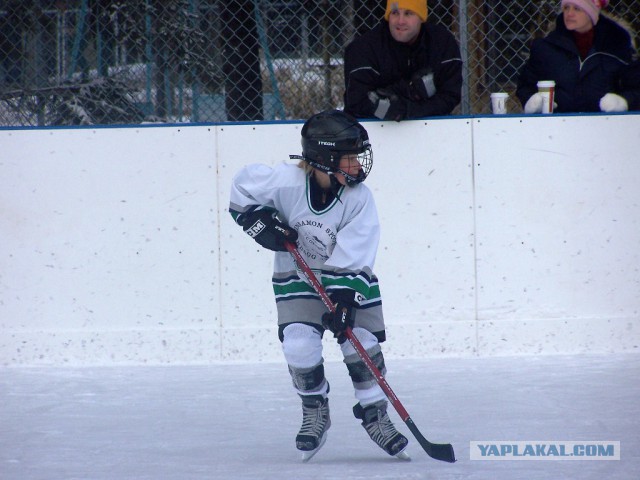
(322, 205)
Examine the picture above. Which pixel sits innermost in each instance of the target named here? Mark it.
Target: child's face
(350, 165)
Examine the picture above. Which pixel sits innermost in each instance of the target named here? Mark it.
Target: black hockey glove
(387, 105)
(345, 301)
(265, 228)
(422, 85)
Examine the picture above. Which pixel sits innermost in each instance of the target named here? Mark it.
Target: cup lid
(499, 94)
(546, 83)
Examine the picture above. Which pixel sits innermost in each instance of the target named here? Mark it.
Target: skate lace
(313, 420)
(381, 430)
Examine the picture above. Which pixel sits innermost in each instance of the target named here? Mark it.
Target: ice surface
(240, 421)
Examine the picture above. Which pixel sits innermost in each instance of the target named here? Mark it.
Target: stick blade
(441, 451)
(438, 451)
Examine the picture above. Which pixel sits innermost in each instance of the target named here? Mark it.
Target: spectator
(591, 59)
(405, 67)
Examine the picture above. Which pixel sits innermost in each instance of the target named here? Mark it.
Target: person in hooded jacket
(405, 67)
(590, 57)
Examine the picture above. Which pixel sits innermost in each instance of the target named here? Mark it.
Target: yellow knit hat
(419, 7)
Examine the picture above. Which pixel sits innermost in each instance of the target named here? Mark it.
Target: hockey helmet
(329, 135)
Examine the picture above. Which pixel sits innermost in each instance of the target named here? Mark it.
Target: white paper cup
(547, 89)
(499, 103)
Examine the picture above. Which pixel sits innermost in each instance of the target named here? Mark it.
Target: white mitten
(613, 103)
(534, 104)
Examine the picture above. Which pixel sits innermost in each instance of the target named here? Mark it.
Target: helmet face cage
(329, 136)
(364, 158)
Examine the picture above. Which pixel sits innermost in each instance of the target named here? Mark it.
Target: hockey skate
(315, 423)
(377, 423)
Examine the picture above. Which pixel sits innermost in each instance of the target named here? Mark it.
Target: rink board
(509, 235)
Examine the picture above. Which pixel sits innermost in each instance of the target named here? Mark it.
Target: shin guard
(366, 387)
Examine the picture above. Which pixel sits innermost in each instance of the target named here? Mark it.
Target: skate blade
(306, 456)
(403, 455)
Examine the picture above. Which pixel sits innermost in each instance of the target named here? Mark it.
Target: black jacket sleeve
(529, 74)
(360, 77)
(446, 63)
(630, 85)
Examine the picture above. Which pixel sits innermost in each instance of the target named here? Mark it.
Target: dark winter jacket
(580, 84)
(375, 60)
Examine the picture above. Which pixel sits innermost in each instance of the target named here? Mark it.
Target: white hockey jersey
(339, 242)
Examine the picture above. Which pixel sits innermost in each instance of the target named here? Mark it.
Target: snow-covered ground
(239, 421)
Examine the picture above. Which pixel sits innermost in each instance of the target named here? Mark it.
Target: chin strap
(335, 185)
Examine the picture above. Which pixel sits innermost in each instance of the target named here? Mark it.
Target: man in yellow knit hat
(405, 67)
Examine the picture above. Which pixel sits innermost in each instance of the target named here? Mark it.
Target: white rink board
(108, 246)
(423, 184)
(117, 246)
(558, 226)
(248, 312)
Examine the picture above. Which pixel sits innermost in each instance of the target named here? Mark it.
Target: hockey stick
(438, 451)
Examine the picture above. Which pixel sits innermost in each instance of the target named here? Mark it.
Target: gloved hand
(387, 105)
(612, 102)
(422, 85)
(345, 301)
(534, 104)
(265, 228)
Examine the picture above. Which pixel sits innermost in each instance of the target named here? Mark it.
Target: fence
(68, 62)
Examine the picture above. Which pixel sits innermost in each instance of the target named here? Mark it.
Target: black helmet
(329, 135)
